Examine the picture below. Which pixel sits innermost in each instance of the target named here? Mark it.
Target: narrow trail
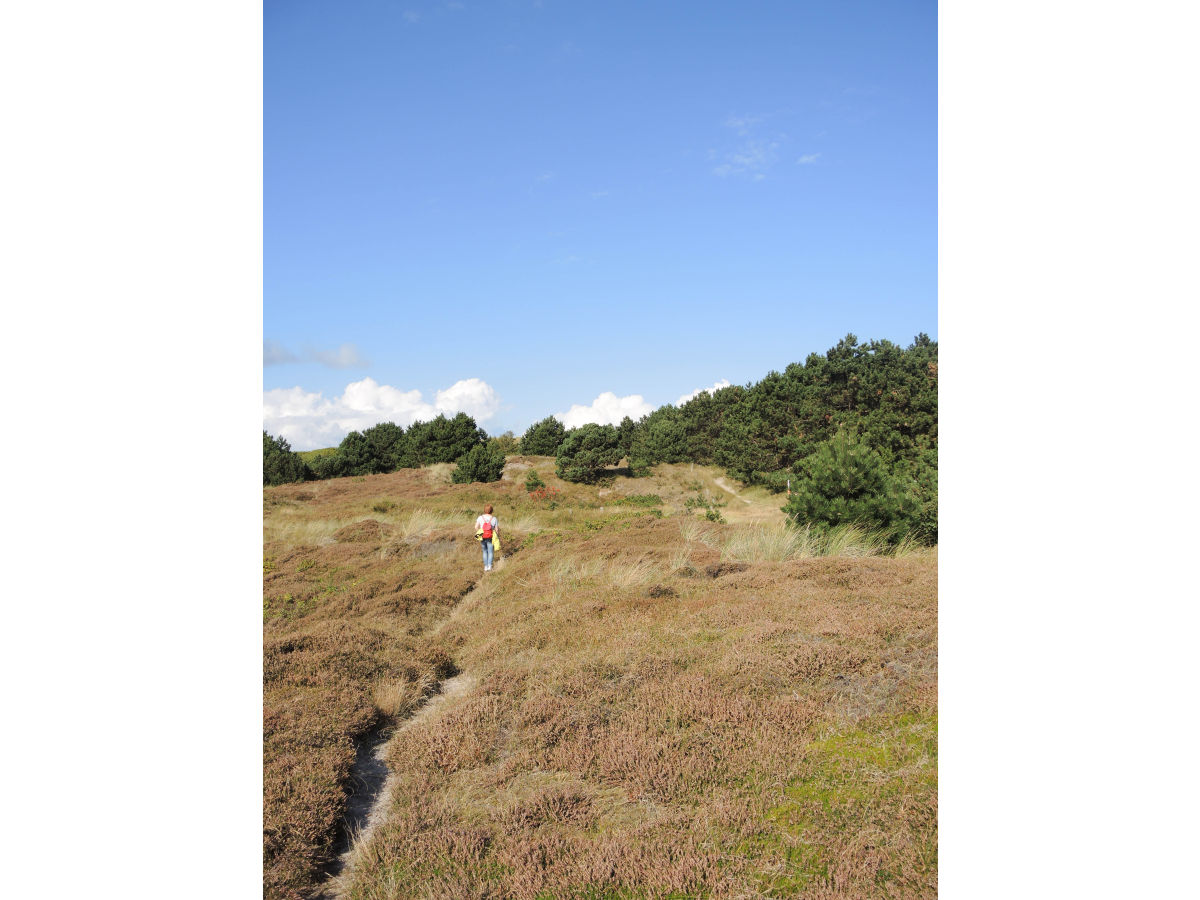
(372, 783)
(720, 482)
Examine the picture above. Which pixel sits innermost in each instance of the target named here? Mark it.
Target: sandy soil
(720, 482)
(367, 806)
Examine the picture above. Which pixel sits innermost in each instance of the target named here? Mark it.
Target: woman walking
(487, 527)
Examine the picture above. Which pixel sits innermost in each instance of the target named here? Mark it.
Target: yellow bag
(479, 535)
(495, 543)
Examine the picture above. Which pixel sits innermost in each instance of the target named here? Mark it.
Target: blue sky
(517, 208)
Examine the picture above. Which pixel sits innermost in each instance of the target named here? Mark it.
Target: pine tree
(847, 482)
(543, 438)
(585, 451)
(280, 464)
(481, 463)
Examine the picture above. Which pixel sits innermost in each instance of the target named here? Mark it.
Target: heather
(660, 704)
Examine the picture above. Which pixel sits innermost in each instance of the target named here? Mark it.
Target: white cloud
(309, 420)
(473, 396)
(723, 383)
(607, 409)
(807, 158)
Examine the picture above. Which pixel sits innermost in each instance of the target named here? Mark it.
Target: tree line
(387, 447)
(854, 431)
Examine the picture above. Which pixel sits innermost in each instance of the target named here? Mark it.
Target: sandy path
(369, 803)
(338, 886)
(720, 482)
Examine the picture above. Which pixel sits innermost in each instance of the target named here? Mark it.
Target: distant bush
(328, 465)
(709, 504)
(639, 500)
(533, 481)
(506, 443)
(585, 451)
(281, 465)
(660, 437)
(480, 463)
(373, 451)
(543, 438)
(846, 482)
(440, 440)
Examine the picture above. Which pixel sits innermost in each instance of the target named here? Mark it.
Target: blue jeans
(487, 553)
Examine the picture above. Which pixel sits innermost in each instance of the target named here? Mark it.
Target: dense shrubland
(853, 431)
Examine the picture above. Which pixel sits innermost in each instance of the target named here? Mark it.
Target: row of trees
(854, 430)
(762, 432)
(386, 447)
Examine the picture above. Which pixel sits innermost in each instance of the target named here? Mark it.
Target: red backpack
(487, 528)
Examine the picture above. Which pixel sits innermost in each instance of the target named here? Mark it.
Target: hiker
(486, 528)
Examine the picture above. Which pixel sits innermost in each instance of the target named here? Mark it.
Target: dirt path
(720, 482)
(372, 781)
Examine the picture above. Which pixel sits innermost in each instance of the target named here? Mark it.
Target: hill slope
(659, 705)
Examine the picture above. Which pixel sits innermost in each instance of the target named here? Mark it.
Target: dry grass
(661, 707)
(439, 473)
(289, 529)
(775, 542)
(694, 530)
(763, 543)
(423, 521)
(399, 699)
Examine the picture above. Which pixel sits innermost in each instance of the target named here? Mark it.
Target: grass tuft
(766, 543)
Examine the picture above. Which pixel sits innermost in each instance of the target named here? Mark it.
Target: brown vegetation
(661, 707)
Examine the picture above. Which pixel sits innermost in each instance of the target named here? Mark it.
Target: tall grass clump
(632, 574)
(680, 557)
(568, 571)
(776, 543)
(699, 531)
(423, 521)
(850, 540)
(300, 532)
(767, 543)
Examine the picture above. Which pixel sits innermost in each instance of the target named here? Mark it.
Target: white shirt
(479, 523)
